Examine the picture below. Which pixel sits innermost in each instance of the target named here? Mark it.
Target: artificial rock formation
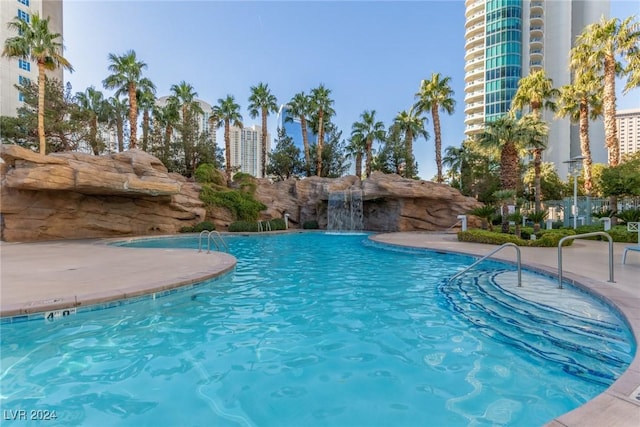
(391, 203)
(76, 195)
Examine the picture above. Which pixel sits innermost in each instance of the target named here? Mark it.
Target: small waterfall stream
(345, 211)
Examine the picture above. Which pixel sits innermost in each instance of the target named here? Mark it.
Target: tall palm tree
(581, 102)
(183, 98)
(321, 105)
(436, 95)
(166, 117)
(36, 43)
(411, 125)
(535, 92)
(263, 102)
(455, 159)
(117, 113)
(356, 149)
(368, 130)
(300, 106)
(92, 103)
(126, 76)
(146, 97)
(598, 47)
(227, 113)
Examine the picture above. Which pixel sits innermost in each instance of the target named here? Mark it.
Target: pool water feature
(316, 329)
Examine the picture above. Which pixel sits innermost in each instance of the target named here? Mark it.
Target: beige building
(628, 122)
(507, 40)
(14, 71)
(246, 149)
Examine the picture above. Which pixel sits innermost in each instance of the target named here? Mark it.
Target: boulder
(77, 195)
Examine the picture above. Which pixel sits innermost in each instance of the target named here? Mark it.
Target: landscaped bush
(243, 206)
(310, 225)
(204, 225)
(544, 238)
(618, 233)
(243, 226)
(277, 224)
(207, 173)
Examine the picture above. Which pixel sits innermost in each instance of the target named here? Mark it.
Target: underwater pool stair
(216, 238)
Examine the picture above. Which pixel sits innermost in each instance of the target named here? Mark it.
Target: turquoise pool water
(322, 330)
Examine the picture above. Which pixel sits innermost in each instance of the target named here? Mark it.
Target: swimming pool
(314, 329)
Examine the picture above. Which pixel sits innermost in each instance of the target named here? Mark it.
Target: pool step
(540, 327)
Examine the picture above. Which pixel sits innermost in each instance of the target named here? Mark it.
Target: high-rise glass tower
(506, 40)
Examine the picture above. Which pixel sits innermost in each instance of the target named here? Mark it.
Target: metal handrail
(200, 239)
(215, 233)
(488, 255)
(580, 236)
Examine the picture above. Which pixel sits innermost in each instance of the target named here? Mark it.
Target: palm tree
(183, 98)
(262, 102)
(126, 77)
(166, 117)
(92, 103)
(436, 95)
(411, 125)
(454, 158)
(356, 149)
(146, 97)
(300, 106)
(536, 92)
(597, 47)
(368, 130)
(117, 113)
(321, 104)
(35, 42)
(581, 101)
(227, 113)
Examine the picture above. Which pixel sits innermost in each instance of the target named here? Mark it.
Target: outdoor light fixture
(575, 166)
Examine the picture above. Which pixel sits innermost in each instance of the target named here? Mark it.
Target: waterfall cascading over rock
(344, 212)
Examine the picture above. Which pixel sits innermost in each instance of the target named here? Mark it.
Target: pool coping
(619, 405)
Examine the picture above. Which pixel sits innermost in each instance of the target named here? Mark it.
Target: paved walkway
(37, 277)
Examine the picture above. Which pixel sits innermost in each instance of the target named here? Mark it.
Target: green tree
(603, 47)
(436, 95)
(536, 92)
(622, 180)
(368, 130)
(454, 158)
(356, 150)
(117, 114)
(165, 119)
(35, 42)
(285, 161)
(411, 125)
(321, 105)
(392, 157)
(183, 98)
(126, 76)
(334, 161)
(300, 106)
(146, 96)
(93, 104)
(227, 113)
(262, 102)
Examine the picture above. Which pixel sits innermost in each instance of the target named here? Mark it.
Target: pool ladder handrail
(581, 236)
(267, 226)
(504, 245)
(220, 240)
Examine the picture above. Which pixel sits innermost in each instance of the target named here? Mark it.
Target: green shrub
(277, 224)
(630, 215)
(619, 233)
(242, 205)
(246, 183)
(545, 238)
(310, 225)
(204, 225)
(243, 226)
(207, 173)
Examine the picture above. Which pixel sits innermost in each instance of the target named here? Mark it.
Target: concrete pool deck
(37, 277)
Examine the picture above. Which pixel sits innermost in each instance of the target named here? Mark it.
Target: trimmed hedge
(544, 238)
(205, 225)
(252, 226)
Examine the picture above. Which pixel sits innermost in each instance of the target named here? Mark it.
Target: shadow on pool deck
(37, 277)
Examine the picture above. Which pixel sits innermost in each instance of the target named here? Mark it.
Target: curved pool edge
(618, 405)
(42, 277)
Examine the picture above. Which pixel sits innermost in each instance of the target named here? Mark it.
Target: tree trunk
(94, 135)
(368, 161)
(359, 165)
(609, 106)
(438, 140)
(585, 146)
(408, 170)
(264, 142)
(537, 166)
(145, 130)
(320, 143)
(505, 217)
(227, 148)
(41, 91)
(305, 144)
(120, 133)
(133, 116)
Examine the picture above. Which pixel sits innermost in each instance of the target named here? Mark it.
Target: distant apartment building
(506, 40)
(15, 71)
(246, 149)
(628, 122)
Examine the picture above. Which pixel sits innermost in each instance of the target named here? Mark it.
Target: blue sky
(371, 54)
